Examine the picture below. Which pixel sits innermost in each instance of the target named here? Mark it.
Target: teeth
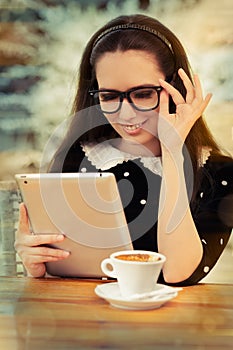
(133, 127)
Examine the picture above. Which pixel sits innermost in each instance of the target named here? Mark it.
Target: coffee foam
(138, 257)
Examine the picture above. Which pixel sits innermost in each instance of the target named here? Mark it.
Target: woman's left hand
(174, 128)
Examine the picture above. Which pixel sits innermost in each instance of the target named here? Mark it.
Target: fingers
(204, 104)
(36, 270)
(199, 94)
(42, 239)
(35, 257)
(190, 90)
(28, 238)
(198, 90)
(35, 263)
(194, 93)
(35, 244)
(164, 103)
(207, 99)
(23, 220)
(45, 254)
(32, 248)
(175, 94)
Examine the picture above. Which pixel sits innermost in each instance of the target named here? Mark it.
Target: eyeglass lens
(143, 99)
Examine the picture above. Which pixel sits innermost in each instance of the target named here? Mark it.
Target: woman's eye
(108, 97)
(143, 94)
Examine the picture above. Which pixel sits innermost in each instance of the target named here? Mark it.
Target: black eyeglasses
(144, 98)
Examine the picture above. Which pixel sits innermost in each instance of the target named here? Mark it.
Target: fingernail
(65, 253)
(60, 237)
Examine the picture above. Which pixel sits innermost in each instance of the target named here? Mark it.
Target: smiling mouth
(133, 127)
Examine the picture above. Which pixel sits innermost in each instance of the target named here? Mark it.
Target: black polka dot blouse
(211, 204)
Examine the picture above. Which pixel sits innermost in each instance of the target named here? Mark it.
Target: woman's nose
(127, 111)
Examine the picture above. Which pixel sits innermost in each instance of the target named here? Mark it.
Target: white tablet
(86, 208)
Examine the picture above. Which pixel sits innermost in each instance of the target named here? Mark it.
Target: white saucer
(111, 293)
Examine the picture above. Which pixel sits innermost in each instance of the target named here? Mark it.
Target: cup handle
(105, 264)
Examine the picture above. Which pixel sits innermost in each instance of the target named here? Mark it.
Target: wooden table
(66, 314)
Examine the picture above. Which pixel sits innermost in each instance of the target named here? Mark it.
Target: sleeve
(212, 211)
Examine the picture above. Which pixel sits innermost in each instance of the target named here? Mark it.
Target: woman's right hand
(31, 249)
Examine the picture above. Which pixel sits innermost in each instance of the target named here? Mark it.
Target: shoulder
(214, 179)
(219, 160)
(219, 169)
(215, 187)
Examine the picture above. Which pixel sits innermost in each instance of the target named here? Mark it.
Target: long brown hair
(169, 61)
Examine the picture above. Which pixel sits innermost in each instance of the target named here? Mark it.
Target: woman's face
(123, 71)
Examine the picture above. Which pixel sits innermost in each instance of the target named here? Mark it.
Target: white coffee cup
(136, 271)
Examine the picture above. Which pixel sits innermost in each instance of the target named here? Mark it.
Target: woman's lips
(133, 129)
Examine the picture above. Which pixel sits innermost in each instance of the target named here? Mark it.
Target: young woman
(138, 114)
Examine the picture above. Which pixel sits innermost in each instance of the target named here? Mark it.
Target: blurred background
(41, 42)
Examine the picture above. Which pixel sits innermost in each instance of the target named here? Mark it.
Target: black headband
(136, 27)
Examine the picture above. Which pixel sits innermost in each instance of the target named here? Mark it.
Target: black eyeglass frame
(126, 94)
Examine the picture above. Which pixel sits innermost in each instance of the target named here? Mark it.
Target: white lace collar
(104, 156)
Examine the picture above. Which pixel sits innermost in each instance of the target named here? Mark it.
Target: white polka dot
(204, 241)
(201, 194)
(206, 269)
(224, 183)
(221, 241)
(126, 174)
(83, 170)
(143, 201)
